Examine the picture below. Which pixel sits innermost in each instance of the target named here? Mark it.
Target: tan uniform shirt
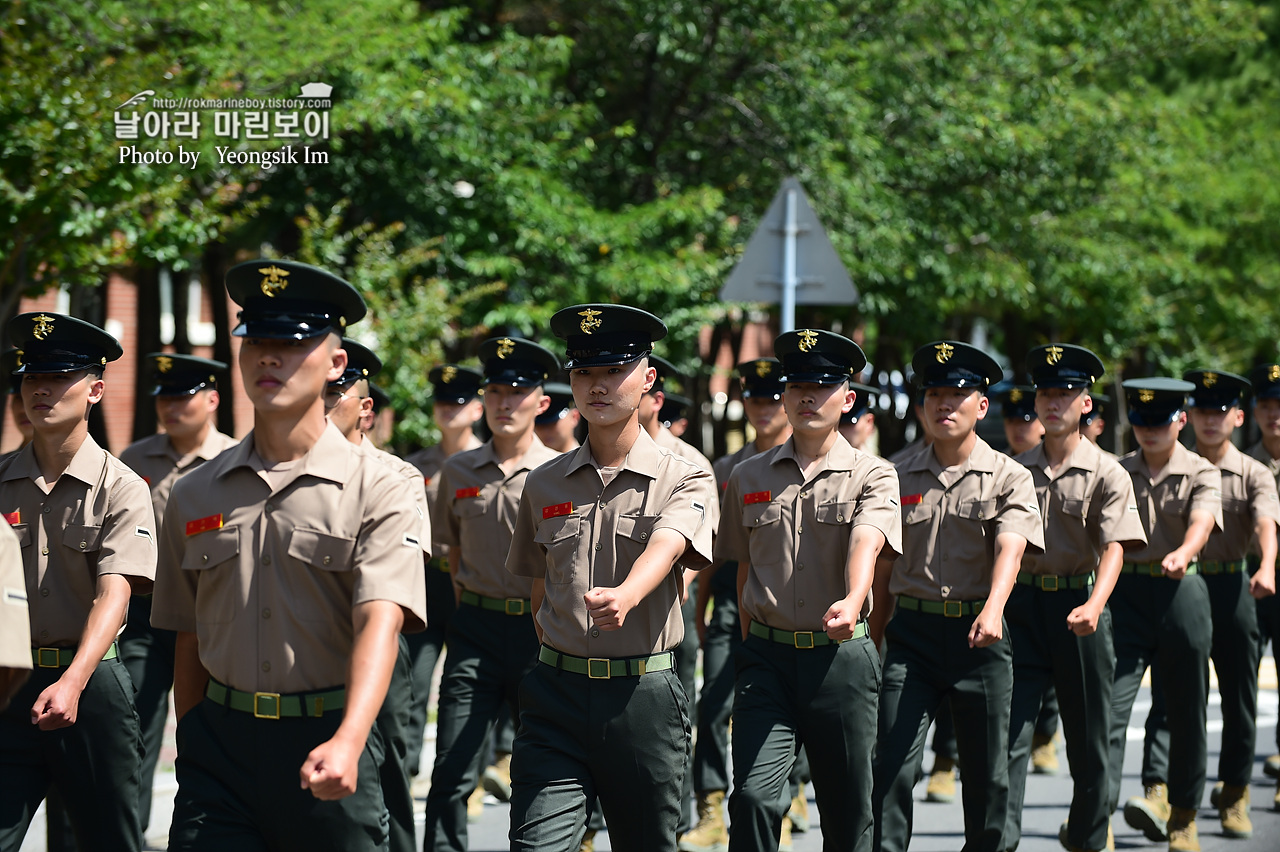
(1086, 506)
(1188, 482)
(476, 508)
(95, 520)
(578, 534)
(1248, 493)
(796, 532)
(15, 627)
(159, 465)
(267, 577)
(414, 476)
(1259, 452)
(949, 531)
(907, 452)
(428, 461)
(688, 452)
(724, 465)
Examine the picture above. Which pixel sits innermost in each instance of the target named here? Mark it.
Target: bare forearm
(106, 617)
(1108, 573)
(860, 568)
(373, 657)
(189, 675)
(1265, 529)
(1197, 534)
(1008, 559)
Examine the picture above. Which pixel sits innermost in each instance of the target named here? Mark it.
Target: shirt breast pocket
(215, 555)
(913, 516)
(83, 538)
(559, 537)
(1076, 510)
(834, 513)
(23, 531)
(467, 508)
(1234, 506)
(322, 550)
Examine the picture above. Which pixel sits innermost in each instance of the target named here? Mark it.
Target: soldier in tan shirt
(557, 427)
(86, 528)
(1058, 619)
(968, 514)
(289, 566)
(1160, 608)
(492, 641)
(603, 531)
(1250, 510)
(1265, 379)
(15, 626)
(186, 401)
(805, 522)
(456, 408)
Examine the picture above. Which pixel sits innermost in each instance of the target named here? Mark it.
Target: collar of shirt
(1181, 463)
(982, 459)
(1084, 457)
(841, 456)
(211, 448)
(643, 458)
(330, 458)
(1232, 461)
(537, 453)
(1259, 451)
(86, 464)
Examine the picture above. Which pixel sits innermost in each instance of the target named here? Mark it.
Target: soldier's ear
(337, 364)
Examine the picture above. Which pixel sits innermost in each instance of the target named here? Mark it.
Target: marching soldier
(1022, 428)
(15, 625)
(1087, 502)
(86, 525)
(492, 642)
(603, 531)
(9, 362)
(858, 424)
(721, 634)
(807, 671)
(1160, 608)
(557, 427)
(1265, 379)
(968, 514)
(186, 399)
(457, 408)
(290, 565)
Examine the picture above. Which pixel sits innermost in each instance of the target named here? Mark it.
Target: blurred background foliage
(1103, 173)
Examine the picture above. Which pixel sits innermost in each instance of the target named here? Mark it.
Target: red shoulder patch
(464, 493)
(13, 517)
(213, 522)
(557, 510)
(757, 497)
(911, 499)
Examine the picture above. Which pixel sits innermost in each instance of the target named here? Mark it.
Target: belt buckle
(272, 696)
(795, 638)
(946, 609)
(591, 661)
(514, 606)
(1049, 583)
(40, 658)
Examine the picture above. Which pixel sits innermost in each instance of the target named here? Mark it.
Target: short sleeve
(1206, 493)
(878, 507)
(1018, 508)
(388, 555)
(525, 557)
(1118, 518)
(444, 522)
(732, 540)
(1263, 499)
(173, 605)
(691, 510)
(128, 544)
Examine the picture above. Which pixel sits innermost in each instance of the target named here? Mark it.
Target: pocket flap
(82, 537)
(557, 529)
(977, 510)
(23, 532)
(321, 550)
(834, 513)
(636, 527)
(212, 548)
(1075, 508)
(760, 514)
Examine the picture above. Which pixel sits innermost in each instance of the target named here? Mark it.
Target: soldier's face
(1160, 439)
(346, 405)
(560, 433)
(952, 413)
(186, 414)
(1214, 427)
(56, 401)
(767, 415)
(1060, 409)
(1267, 412)
(452, 417)
(607, 396)
(20, 419)
(858, 432)
(510, 410)
(814, 409)
(1022, 435)
(290, 375)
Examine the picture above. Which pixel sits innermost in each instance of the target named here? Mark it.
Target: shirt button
(83, 545)
(598, 547)
(44, 634)
(839, 519)
(44, 593)
(595, 634)
(270, 507)
(266, 559)
(45, 510)
(800, 567)
(44, 551)
(799, 530)
(266, 613)
(946, 591)
(643, 536)
(266, 667)
(204, 558)
(799, 603)
(327, 560)
(601, 504)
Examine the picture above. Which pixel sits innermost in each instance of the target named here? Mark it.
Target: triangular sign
(821, 278)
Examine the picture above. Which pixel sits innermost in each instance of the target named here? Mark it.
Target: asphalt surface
(939, 827)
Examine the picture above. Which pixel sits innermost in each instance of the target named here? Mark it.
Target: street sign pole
(790, 230)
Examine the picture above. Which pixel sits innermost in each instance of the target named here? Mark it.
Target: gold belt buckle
(40, 658)
(1049, 583)
(591, 661)
(946, 609)
(515, 606)
(272, 696)
(795, 638)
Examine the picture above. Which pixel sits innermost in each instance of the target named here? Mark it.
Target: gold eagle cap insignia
(164, 363)
(505, 347)
(1209, 379)
(43, 327)
(590, 322)
(944, 352)
(1015, 395)
(763, 368)
(1273, 373)
(274, 281)
(808, 338)
(1146, 395)
(448, 374)
(1053, 354)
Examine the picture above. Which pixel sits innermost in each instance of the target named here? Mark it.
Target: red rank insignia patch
(13, 517)
(911, 499)
(757, 497)
(213, 522)
(147, 480)
(557, 510)
(464, 493)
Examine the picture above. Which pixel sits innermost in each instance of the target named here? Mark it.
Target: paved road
(939, 827)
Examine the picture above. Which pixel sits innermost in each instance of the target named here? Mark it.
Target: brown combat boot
(784, 837)
(799, 812)
(588, 841)
(709, 834)
(1233, 810)
(1149, 813)
(1044, 755)
(942, 781)
(1183, 836)
(497, 778)
(1066, 844)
